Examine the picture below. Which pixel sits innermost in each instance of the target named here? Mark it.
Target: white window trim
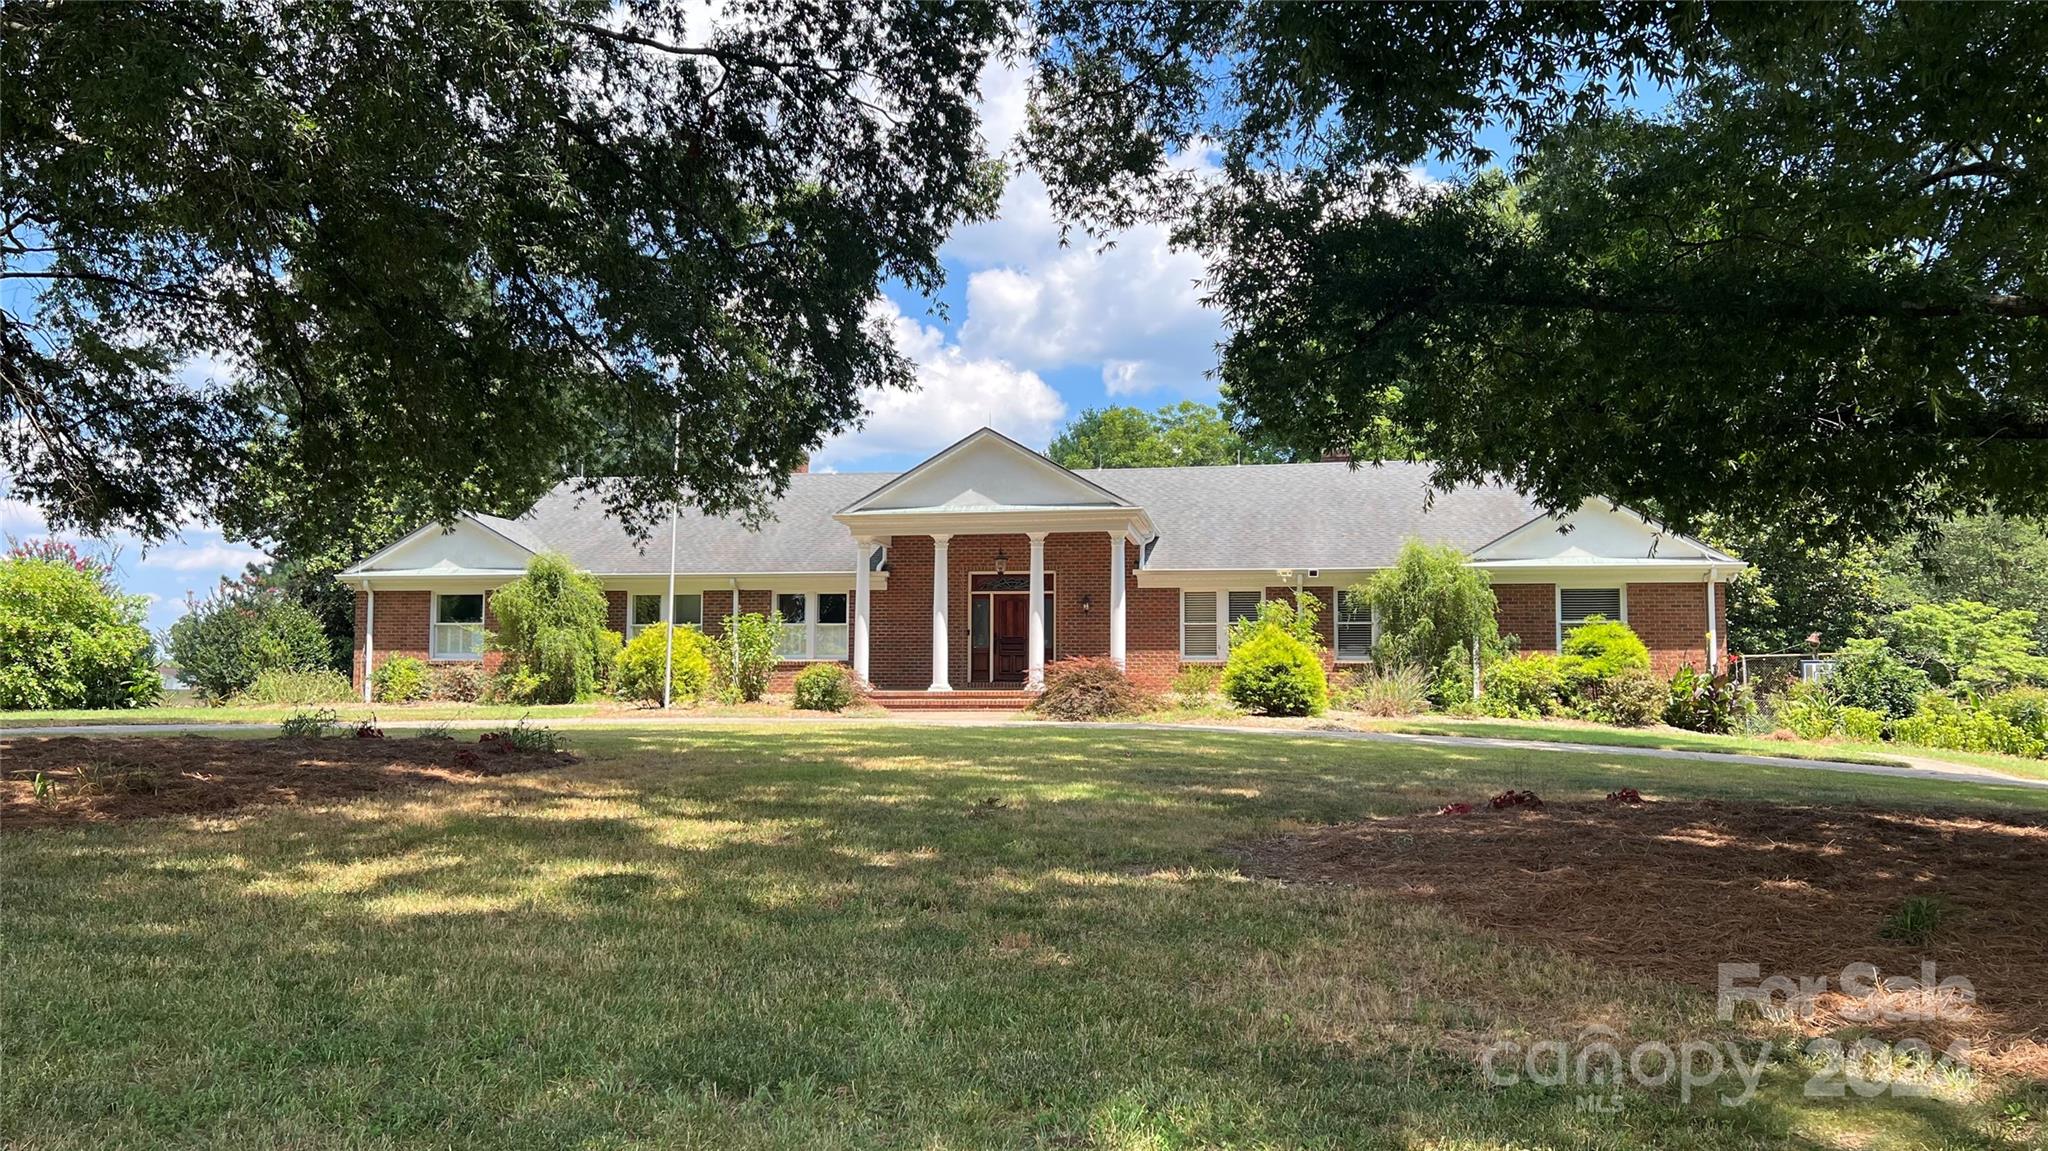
(1557, 604)
(434, 626)
(667, 611)
(1337, 622)
(1222, 622)
(810, 652)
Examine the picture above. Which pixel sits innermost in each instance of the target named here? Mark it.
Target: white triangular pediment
(466, 546)
(1596, 532)
(987, 471)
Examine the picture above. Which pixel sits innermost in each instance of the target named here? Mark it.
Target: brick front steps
(978, 699)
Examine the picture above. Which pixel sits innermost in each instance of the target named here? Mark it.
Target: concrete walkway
(1909, 766)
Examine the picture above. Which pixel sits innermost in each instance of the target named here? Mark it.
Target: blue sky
(1033, 334)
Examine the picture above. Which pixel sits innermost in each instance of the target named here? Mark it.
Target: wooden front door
(1012, 634)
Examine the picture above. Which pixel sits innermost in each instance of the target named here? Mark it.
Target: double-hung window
(814, 625)
(1206, 616)
(1354, 629)
(458, 631)
(689, 611)
(795, 639)
(1576, 605)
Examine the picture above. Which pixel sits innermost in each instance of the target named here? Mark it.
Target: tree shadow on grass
(820, 937)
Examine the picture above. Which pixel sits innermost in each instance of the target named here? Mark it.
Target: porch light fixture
(1087, 604)
(1002, 563)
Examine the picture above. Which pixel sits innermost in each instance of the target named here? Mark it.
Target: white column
(1116, 597)
(1713, 639)
(942, 670)
(1034, 656)
(370, 637)
(863, 555)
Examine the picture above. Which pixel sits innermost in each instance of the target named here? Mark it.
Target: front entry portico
(975, 502)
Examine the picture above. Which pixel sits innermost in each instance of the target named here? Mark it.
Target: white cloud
(222, 557)
(1133, 309)
(957, 393)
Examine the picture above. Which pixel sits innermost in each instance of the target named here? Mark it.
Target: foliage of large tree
(1186, 434)
(1800, 582)
(1995, 559)
(1813, 283)
(451, 254)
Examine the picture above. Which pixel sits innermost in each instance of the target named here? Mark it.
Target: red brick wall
(405, 627)
(1528, 611)
(615, 611)
(900, 645)
(1672, 620)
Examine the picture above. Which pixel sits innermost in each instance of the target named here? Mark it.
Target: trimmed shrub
(224, 642)
(1529, 687)
(457, 683)
(743, 659)
(1196, 683)
(824, 687)
(551, 629)
(1710, 704)
(1872, 676)
(1947, 723)
(1391, 691)
(400, 679)
(1089, 688)
(68, 637)
(1809, 711)
(1629, 698)
(1862, 724)
(1600, 649)
(1272, 672)
(297, 688)
(636, 673)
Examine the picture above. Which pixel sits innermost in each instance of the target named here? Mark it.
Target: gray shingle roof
(1308, 515)
(1254, 516)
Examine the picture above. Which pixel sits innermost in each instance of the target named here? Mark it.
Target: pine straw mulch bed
(109, 778)
(1672, 889)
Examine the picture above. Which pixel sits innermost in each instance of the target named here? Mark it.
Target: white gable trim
(987, 436)
(1501, 550)
(368, 567)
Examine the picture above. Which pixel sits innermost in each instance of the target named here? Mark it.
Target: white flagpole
(668, 605)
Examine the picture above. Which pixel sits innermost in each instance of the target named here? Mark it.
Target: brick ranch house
(972, 570)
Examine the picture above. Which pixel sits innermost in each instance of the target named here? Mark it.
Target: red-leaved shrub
(1089, 688)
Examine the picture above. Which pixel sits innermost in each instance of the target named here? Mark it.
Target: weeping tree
(1429, 607)
(551, 627)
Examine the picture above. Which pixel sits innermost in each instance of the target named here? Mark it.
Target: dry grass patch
(1674, 889)
(80, 779)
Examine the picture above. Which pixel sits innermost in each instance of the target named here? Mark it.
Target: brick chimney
(1337, 456)
(803, 466)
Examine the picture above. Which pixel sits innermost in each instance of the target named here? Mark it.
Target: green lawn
(1554, 732)
(386, 714)
(830, 937)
